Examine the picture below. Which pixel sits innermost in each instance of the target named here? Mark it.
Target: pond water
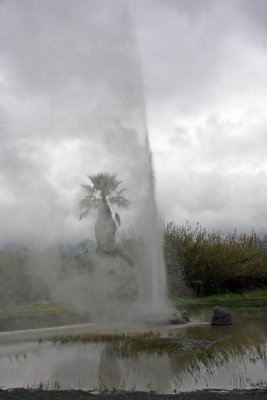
(203, 357)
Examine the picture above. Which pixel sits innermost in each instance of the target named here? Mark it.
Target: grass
(132, 344)
(29, 310)
(255, 298)
(212, 262)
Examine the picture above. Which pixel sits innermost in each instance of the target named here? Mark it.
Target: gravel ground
(35, 394)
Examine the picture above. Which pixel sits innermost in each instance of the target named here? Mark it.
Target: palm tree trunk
(105, 229)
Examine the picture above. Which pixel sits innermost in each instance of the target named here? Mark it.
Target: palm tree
(103, 194)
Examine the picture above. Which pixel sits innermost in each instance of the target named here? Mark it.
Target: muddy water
(205, 357)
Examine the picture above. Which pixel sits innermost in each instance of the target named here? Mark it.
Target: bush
(16, 283)
(213, 263)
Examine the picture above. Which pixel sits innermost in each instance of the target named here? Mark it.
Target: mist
(73, 105)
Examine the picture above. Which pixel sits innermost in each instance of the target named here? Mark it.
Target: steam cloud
(72, 105)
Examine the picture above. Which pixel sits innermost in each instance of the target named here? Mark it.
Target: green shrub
(16, 283)
(212, 263)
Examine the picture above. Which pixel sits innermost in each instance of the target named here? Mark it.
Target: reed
(213, 262)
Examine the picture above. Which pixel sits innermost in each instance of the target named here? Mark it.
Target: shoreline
(37, 394)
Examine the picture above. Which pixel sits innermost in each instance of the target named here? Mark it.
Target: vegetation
(130, 344)
(198, 354)
(198, 263)
(16, 286)
(192, 341)
(251, 299)
(103, 195)
(213, 263)
(34, 310)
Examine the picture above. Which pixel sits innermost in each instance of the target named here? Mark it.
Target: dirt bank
(24, 394)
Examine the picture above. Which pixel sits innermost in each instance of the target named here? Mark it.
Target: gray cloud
(71, 103)
(180, 137)
(205, 75)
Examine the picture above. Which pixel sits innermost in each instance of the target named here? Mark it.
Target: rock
(179, 318)
(185, 316)
(221, 317)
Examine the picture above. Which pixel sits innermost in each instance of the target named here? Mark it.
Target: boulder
(221, 317)
(185, 316)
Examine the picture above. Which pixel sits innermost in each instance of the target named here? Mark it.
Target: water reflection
(224, 365)
(232, 357)
(109, 375)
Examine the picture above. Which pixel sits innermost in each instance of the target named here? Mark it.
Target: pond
(166, 360)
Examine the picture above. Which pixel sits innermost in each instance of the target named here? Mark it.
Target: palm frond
(120, 201)
(89, 189)
(83, 214)
(104, 189)
(89, 203)
(104, 182)
(121, 191)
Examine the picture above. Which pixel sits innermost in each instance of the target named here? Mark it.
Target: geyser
(81, 111)
(126, 145)
(153, 242)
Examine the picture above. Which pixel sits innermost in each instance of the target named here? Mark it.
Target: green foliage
(16, 283)
(103, 191)
(252, 299)
(125, 344)
(104, 194)
(33, 310)
(212, 263)
(104, 182)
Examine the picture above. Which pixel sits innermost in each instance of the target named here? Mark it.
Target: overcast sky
(71, 103)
